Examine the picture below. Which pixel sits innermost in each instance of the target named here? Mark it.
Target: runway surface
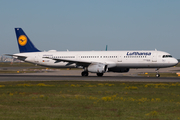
(90, 78)
(75, 75)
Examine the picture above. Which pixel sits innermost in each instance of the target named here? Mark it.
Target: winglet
(24, 43)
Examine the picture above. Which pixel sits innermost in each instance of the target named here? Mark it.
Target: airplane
(98, 62)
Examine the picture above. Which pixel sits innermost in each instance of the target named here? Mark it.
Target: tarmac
(75, 75)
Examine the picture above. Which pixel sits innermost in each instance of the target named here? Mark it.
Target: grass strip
(89, 100)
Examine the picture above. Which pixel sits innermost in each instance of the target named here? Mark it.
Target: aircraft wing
(17, 56)
(77, 62)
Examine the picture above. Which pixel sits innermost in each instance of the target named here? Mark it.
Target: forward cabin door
(154, 57)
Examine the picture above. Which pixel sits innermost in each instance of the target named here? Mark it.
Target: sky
(86, 25)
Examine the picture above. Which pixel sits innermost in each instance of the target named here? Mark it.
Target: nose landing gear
(157, 73)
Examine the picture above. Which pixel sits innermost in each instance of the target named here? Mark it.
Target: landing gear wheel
(84, 73)
(157, 75)
(99, 74)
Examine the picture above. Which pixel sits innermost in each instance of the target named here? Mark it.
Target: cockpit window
(166, 56)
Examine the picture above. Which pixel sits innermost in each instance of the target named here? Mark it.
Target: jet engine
(97, 68)
(118, 69)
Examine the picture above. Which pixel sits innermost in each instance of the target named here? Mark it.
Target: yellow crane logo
(22, 40)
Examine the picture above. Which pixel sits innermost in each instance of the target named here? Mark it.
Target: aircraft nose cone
(175, 61)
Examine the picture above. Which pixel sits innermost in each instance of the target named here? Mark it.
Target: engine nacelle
(118, 69)
(97, 68)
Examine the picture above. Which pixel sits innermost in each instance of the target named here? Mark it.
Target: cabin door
(36, 59)
(154, 57)
(119, 58)
(78, 57)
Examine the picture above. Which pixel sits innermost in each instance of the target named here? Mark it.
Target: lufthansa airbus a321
(98, 62)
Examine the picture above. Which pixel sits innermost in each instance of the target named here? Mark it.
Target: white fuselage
(122, 59)
(97, 62)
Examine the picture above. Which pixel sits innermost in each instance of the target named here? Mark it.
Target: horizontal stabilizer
(17, 56)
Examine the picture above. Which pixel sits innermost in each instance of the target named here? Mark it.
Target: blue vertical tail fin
(24, 43)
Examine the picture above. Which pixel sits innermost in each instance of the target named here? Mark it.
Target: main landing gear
(85, 73)
(99, 74)
(157, 73)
